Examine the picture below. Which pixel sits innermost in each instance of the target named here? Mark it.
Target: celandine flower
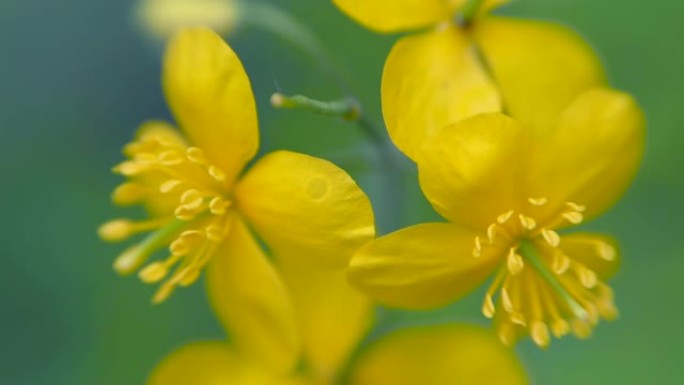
(453, 70)
(507, 190)
(202, 207)
(438, 355)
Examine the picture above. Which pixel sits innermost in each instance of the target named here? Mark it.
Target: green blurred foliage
(76, 77)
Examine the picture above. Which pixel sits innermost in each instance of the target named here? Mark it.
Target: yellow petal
(599, 253)
(429, 81)
(387, 16)
(333, 317)
(473, 171)
(251, 301)
(209, 363)
(210, 95)
(593, 154)
(306, 207)
(451, 354)
(421, 266)
(540, 67)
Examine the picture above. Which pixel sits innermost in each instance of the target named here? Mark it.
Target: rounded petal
(593, 154)
(439, 355)
(473, 171)
(432, 80)
(421, 266)
(387, 16)
(306, 208)
(251, 301)
(540, 67)
(209, 363)
(333, 317)
(599, 253)
(211, 98)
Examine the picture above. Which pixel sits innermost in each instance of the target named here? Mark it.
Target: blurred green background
(77, 77)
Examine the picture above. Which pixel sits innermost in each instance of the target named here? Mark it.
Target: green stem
(529, 252)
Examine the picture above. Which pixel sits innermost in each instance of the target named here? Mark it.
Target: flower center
(189, 199)
(539, 286)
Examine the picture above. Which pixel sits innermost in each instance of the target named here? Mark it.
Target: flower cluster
(516, 137)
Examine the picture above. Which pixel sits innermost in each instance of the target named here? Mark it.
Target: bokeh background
(77, 77)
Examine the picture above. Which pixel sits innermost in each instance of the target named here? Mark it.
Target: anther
(517, 318)
(131, 259)
(491, 233)
(538, 201)
(540, 334)
(129, 168)
(116, 230)
(581, 329)
(527, 222)
(503, 218)
(561, 263)
(196, 155)
(191, 199)
(154, 272)
(180, 247)
(560, 327)
(217, 174)
(574, 217)
(515, 262)
(215, 233)
(477, 251)
(169, 158)
(587, 277)
(606, 251)
(169, 185)
(128, 193)
(488, 308)
(218, 206)
(575, 207)
(189, 276)
(551, 237)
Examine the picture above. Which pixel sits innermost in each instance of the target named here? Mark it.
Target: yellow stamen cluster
(190, 200)
(541, 290)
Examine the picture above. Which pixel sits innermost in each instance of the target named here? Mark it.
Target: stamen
(169, 158)
(575, 207)
(538, 201)
(551, 237)
(169, 185)
(506, 300)
(574, 217)
(491, 233)
(561, 263)
(129, 168)
(191, 199)
(488, 308)
(477, 251)
(606, 251)
(217, 174)
(581, 329)
(153, 272)
(515, 262)
(128, 193)
(540, 334)
(587, 277)
(503, 218)
(218, 206)
(215, 233)
(527, 222)
(116, 230)
(196, 155)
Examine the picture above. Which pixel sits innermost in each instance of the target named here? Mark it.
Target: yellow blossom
(204, 208)
(454, 70)
(507, 191)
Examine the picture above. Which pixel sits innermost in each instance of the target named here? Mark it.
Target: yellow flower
(332, 319)
(507, 190)
(203, 208)
(531, 69)
(164, 17)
